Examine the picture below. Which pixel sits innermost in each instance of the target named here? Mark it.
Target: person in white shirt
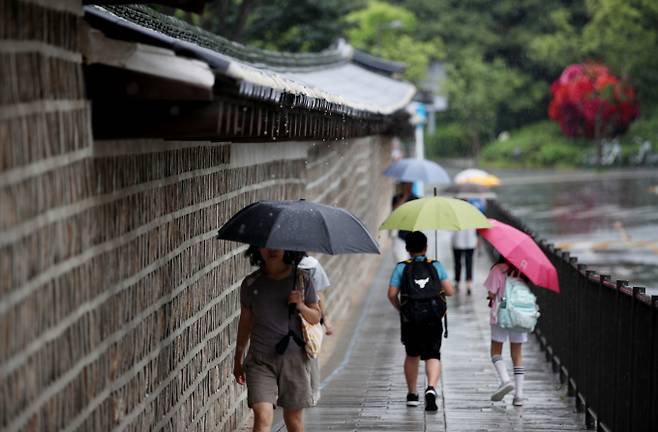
(464, 243)
(320, 282)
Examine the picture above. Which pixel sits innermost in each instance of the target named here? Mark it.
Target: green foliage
(450, 140)
(624, 35)
(298, 25)
(389, 32)
(538, 145)
(527, 44)
(478, 91)
(558, 47)
(643, 129)
(542, 145)
(281, 25)
(499, 75)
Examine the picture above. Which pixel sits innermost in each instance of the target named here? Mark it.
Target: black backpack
(421, 294)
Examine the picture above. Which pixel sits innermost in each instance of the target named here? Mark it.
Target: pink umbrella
(522, 251)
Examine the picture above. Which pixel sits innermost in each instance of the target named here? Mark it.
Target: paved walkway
(367, 391)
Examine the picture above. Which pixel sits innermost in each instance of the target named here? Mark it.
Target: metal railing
(602, 339)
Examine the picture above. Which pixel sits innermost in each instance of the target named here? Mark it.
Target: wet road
(609, 220)
(367, 391)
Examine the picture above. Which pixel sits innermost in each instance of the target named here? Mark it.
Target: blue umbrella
(413, 170)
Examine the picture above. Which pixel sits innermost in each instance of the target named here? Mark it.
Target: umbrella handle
(291, 307)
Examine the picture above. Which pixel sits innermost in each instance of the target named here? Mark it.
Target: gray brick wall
(118, 308)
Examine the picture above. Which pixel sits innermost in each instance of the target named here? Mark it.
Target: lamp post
(419, 119)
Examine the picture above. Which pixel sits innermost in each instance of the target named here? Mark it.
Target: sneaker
(430, 399)
(502, 390)
(412, 399)
(518, 401)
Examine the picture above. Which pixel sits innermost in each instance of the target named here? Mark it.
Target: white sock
(499, 364)
(519, 373)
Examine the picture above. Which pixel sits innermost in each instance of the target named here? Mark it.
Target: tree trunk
(245, 10)
(475, 144)
(598, 136)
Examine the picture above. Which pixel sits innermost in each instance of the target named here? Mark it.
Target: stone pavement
(366, 392)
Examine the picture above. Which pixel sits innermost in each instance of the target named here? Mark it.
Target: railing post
(589, 377)
(643, 369)
(600, 367)
(614, 355)
(636, 291)
(569, 339)
(575, 372)
(561, 334)
(653, 421)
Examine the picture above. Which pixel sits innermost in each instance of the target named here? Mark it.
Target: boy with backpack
(513, 313)
(417, 289)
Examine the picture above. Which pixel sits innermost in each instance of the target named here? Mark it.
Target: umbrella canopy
(477, 176)
(436, 213)
(299, 226)
(469, 190)
(522, 251)
(413, 170)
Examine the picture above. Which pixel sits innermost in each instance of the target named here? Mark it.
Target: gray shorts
(282, 380)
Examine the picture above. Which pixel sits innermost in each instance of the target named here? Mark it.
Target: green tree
(500, 31)
(388, 31)
(478, 90)
(281, 25)
(299, 25)
(623, 34)
(560, 46)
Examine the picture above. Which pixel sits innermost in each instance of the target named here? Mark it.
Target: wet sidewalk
(367, 391)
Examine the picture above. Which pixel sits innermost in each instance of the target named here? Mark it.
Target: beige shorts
(282, 380)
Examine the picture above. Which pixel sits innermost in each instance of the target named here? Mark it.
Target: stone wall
(348, 174)
(118, 308)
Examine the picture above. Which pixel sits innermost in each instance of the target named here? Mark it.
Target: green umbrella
(436, 213)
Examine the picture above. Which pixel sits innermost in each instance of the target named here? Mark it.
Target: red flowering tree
(589, 102)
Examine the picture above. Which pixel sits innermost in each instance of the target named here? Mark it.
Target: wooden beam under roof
(228, 119)
(108, 82)
(118, 69)
(188, 5)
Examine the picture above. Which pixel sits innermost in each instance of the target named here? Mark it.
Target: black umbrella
(299, 226)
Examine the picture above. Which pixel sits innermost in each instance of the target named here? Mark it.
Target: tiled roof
(328, 80)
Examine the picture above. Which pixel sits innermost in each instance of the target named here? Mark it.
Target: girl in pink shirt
(495, 285)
